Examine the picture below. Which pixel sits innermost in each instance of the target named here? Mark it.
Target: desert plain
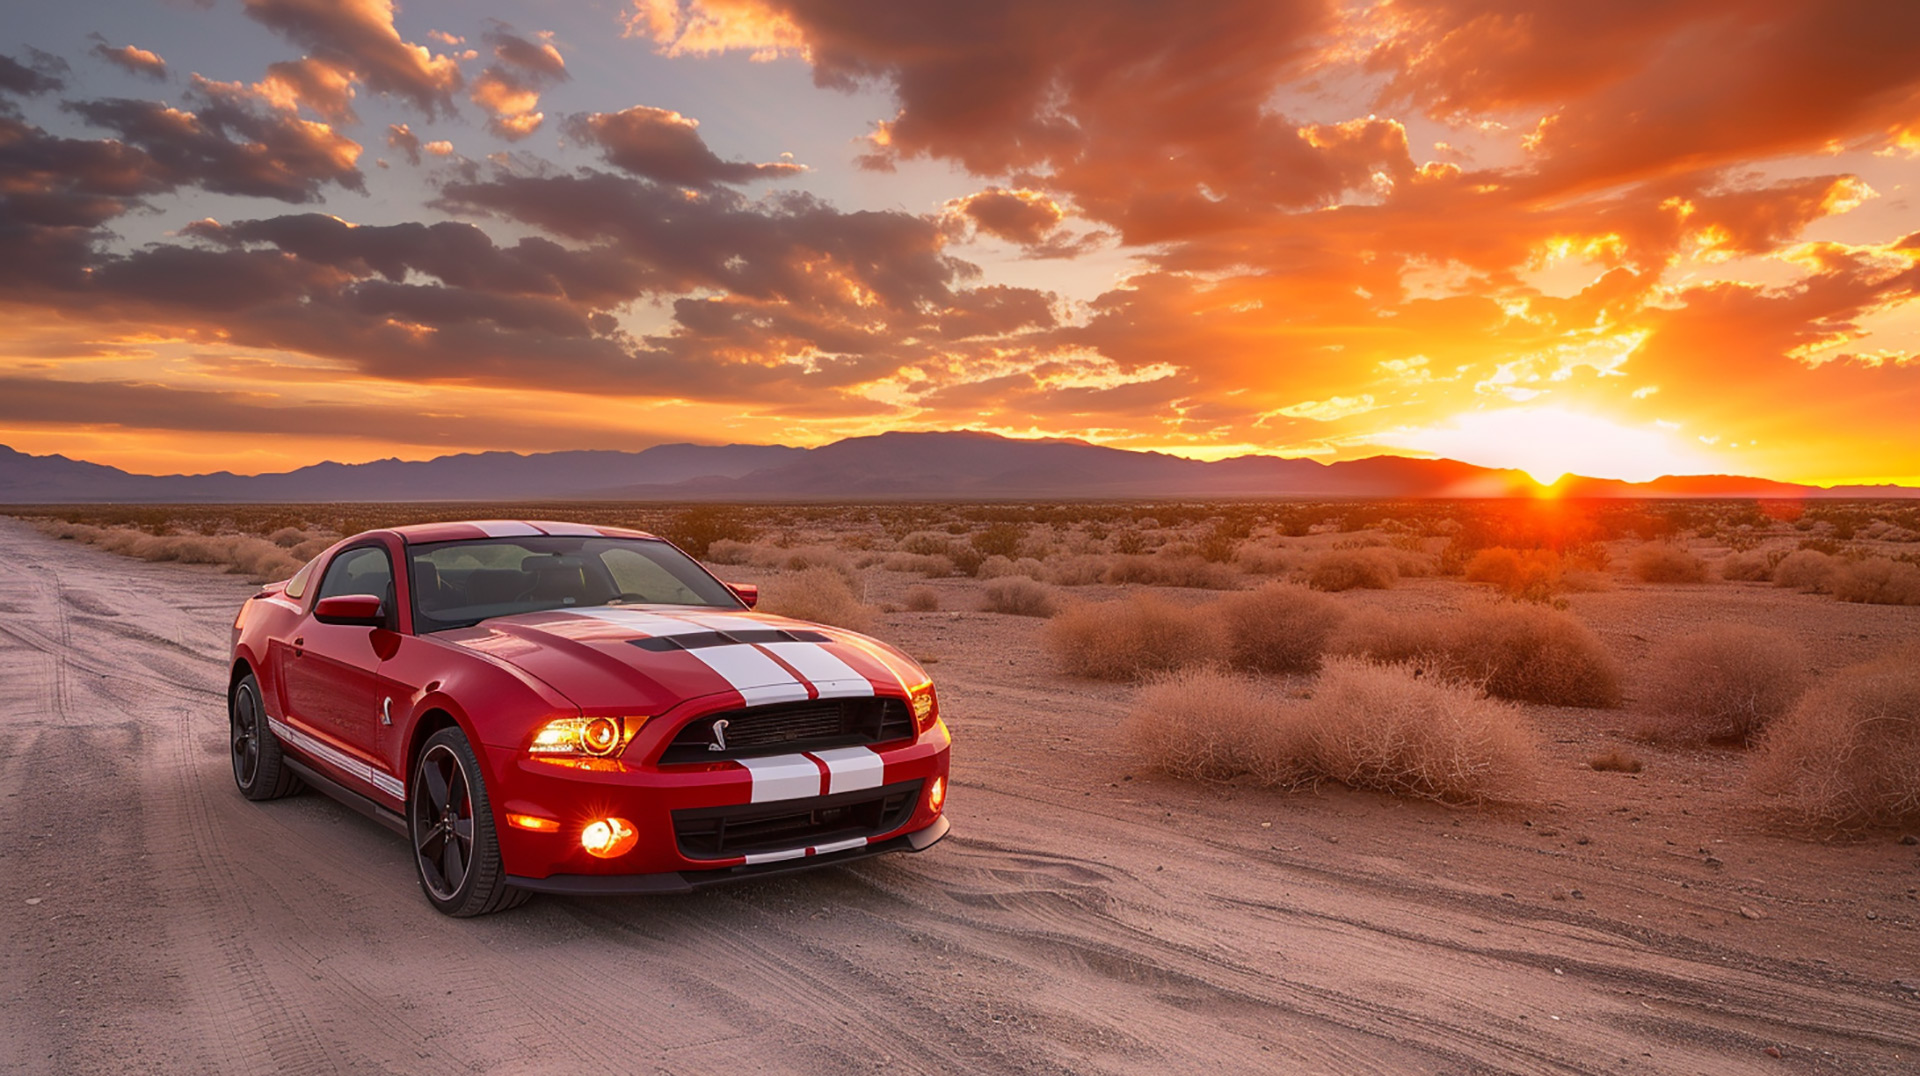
(1094, 910)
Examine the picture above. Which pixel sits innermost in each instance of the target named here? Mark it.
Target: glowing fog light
(937, 795)
(608, 837)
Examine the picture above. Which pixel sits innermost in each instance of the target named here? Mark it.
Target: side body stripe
(333, 756)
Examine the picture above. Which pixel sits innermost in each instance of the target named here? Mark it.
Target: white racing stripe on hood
(747, 668)
(832, 677)
(758, 678)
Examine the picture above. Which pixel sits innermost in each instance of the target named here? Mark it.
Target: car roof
(415, 533)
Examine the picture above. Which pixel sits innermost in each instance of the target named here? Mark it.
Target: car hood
(648, 659)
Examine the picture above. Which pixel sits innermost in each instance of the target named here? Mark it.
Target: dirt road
(154, 921)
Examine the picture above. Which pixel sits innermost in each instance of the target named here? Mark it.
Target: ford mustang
(551, 707)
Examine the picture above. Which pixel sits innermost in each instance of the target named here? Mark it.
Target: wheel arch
(242, 668)
(432, 720)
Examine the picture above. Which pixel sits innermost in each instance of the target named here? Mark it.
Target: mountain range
(958, 465)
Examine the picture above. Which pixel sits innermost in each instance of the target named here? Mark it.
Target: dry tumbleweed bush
(1726, 682)
(1849, 753)
(1133, 638)
(1367, 725)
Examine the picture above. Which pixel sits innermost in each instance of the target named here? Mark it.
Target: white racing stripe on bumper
(755, 858)
(379, 779)
(850, 769)
(782, 777)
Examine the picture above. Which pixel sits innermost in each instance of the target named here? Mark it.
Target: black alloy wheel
(259, 769)
(455, 851)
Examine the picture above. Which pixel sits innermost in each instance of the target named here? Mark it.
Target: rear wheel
(450, 821)
(258, 766)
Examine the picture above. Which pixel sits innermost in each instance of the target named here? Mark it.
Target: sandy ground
(1083, 918)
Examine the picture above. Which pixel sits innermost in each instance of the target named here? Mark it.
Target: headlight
(597, 737)
(926, 707)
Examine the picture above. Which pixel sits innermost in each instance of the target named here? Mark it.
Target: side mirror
(352, 609)
(746, 592)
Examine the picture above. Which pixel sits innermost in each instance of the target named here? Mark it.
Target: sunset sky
(1622, 238)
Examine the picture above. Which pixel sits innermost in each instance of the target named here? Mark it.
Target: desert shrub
(240, 554)
(1663, 562)
(1019, 596)
(925, 543)
(807, 558)
(1746, 567)
(1532, 574)
(1367, 726)
(999, 539)
(287, 537)
(1616, 762)
(1877, 581)
(1413, 565)
(1349, 569)
(1804, 569)
(818, 593)
(1257, 558)
(998, 567)
(1203, 724)
(695, 529)
(965, 558)
(1159, 570)
(922, 600)
(1133, 638)
(728, 551)
(1278, 628)
(1849, 753)
(1083, 570)
(1380, 726)
(1534, 654)
(1524, 652)
(1727, 682)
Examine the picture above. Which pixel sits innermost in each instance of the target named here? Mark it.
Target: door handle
(297, 644)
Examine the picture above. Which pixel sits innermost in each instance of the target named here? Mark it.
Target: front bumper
(719, 821)
(611, 885)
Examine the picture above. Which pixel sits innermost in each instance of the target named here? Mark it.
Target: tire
(456, 853)
(259, 769)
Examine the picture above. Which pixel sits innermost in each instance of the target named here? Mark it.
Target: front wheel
(258, 767)
(450, 821)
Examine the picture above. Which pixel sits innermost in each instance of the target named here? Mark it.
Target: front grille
(720, 832)
(780, 728)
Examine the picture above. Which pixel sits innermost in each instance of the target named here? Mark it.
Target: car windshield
(459, 584)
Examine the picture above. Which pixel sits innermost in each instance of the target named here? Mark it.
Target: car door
(330, 672)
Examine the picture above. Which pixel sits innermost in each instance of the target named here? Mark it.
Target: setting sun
(1549, 443)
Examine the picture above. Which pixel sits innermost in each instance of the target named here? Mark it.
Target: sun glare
(1550, 443)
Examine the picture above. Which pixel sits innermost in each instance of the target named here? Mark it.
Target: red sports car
(550, 707)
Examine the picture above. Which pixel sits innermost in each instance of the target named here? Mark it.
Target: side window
(635, 573)
(359, 571)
